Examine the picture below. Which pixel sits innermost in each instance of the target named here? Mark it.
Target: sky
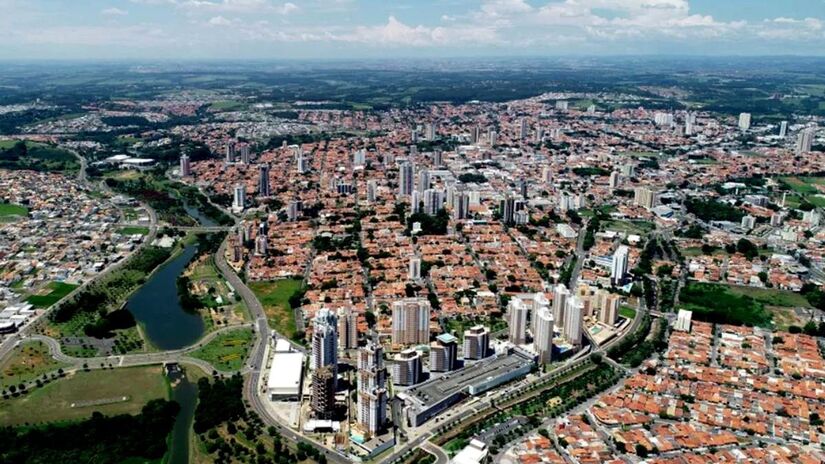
(351, 29)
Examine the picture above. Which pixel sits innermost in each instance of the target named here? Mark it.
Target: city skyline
(354, 29)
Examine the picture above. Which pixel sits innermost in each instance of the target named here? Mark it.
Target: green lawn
(134, 231)
(627, 312)
(58, 290)
(629, 227)
(227, 351)
(53, 402)
(725, 304)
(8, 209)
(274, 297)
(27, 362)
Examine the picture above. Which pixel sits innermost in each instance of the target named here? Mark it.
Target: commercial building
(425, 401)
(411, 321)
(285, 373)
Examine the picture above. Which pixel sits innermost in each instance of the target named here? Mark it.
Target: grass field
(53, 402)
(740, 305)
(274, 297)
(8, 209)
(27, 362)
(629, 227)
(627, 312)
(134, 231)
(227, 351)
(57, 290)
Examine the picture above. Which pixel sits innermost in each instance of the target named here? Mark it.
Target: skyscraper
(543, 337)
(230, 152)
(245, 153)
(406, 368)
(644, 197)
(744, 121)
(805, 141)
(372, 389)
(239, 198)
(438, 158)
(560, 296)
(783, 129)
(574, 312)
(415, 268)
(185, 166)
(405, 179)
(523, 129)
(618, 267)
(461, 209)
(615, 177)
(476, 342)
(372, 189)
(323, 392)
(508, 209)
(411, 321)
(444, 353)
(423, 180)
(324, 340)
(517, 314)
(263, 180)
(347, 329)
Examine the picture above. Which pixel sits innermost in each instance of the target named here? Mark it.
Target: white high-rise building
(476, 342)
(745, 121)
(415, 268)
(805, 141)
(411, 321)
(372, 389)
(783, 129)
(324, 340)
(492, 137)
(573, 316)
(560, 296)
(461, 208)
(185, 166)
(230, 152)
(444, 353)
(517, 313)
(406, 368)
(372, 189)
(615, 178)
(239, 198)
(424, 180)
(543, 336)
(748, 222)
(405, 179)
(359, 158)
(644, 197)
(245, 153)
(618, 268)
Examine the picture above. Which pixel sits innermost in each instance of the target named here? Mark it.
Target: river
(202, 219)
(157, 309)
(186, 394)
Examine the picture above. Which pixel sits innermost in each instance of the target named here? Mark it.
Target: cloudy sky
(261, 29)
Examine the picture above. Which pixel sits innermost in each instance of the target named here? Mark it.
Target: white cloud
(111, 12)
(219, 21)
(396, 33)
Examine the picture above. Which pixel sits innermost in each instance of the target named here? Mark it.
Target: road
(577, 268)
(437, 451)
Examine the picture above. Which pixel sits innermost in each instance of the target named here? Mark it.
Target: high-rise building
(461, 208)
(644, 197)
(411, 321)
(783, 129)
(239, 198)
(347, 329)
(432, 129)
(523, 129)
(325, 340)
(475, 135)
(415, 268)
(405, 179)
(263, 181)
(517, 314)
(261, 245)
(573, 315)
(372, 191)
(476, 342)
(508, 209)
(492, 137)
(406, 368)
(618, 267)
(805, 141)
(607, 305)
(293, 209)
(615, 178)
(433, 201)
(748, 222)
(359, 158)
(444, 353)
(543, 336)
(323, 392)
(438, 158)
(372, 389)
(185, 166)
(245, 153)
(424, 180)
(744, 121)
(230, 152)
(560, 296)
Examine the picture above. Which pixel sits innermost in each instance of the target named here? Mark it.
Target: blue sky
(272, 29)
